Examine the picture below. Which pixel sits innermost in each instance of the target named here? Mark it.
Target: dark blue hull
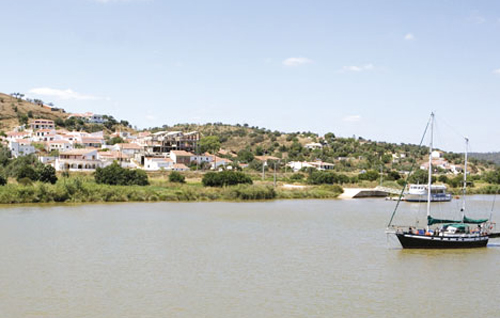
(441, 242)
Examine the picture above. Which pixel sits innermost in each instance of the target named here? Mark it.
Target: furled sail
(431, 221)
(474, 221)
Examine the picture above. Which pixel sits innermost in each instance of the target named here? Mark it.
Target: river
(308, 258)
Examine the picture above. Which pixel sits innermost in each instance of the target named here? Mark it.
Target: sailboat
(463, 232)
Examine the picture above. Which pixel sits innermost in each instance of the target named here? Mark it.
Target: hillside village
(84, 142)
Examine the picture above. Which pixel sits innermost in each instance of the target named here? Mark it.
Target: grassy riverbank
(81, 189)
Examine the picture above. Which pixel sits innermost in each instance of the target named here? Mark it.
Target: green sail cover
(431, 221)
(474, 221)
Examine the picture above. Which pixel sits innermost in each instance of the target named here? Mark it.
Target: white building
(21, 147)
(156, 163)
(314, 145)
(297, 165)
(60, 145)
(78, 160)
(96, 119)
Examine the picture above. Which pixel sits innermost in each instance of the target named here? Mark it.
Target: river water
(310, 258)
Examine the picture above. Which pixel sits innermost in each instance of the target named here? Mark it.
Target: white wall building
(78, 160)
(21, 147)
(155, 163)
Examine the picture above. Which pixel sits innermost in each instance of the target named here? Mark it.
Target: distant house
(95, 142)
(313, 145)
(36, 124)
(181, 156)
(96, 119)
(60, 145)
(127, 148)
(219, 162)
(320, 165)
(21, 147)
(158, 163)
(45, 134)
(297, 165)
(179, 167)
(78, 160)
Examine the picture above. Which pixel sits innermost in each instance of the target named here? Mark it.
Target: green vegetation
(83, 188)
(116, 175)
(225, 178)
(323, 177)
(175, 176)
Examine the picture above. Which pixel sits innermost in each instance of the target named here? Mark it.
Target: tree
(370, 175)
(116, 175)
(48, 174)
(175, 176)
(225, 178)
(27, 172)
(210, 144)
(420, 177)
(116, 140)
(245, 155)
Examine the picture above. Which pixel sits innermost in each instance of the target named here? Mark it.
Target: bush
(48, 174)
(116, 175)
(323, 177)
(370, 175)
(225, 178)
(176, 177)
(27, 172)
(297, 177)
(3, 180)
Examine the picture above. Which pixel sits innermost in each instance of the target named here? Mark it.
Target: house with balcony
(78, 160)
(36, 124)
(59, 145)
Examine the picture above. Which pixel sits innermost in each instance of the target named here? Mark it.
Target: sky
(374, 69)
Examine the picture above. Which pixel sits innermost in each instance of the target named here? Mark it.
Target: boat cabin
(455, 228)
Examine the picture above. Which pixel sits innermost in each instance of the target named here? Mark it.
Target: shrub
(176, 177)
(27, 172)
(116, 175)
(48, 174)
(323, 177)
(297, 177)
(225, 178)
(370, 175)
(3, 180)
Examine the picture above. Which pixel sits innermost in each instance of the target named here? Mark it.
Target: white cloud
(409, 37)
(354, 68)
(497, 71)
(296, 61)
(62, 94)
(352, 118)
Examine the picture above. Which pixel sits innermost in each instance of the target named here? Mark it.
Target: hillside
(348, 154)
(488, 156)
(14, 110)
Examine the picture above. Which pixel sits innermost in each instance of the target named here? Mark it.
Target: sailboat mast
(465, 177)
(430, 169)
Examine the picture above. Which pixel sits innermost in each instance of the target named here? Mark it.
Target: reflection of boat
(449, 233)
(418, 193)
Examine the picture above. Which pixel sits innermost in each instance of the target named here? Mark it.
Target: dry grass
(9, 116)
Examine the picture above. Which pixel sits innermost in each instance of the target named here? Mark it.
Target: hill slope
(13, 110)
